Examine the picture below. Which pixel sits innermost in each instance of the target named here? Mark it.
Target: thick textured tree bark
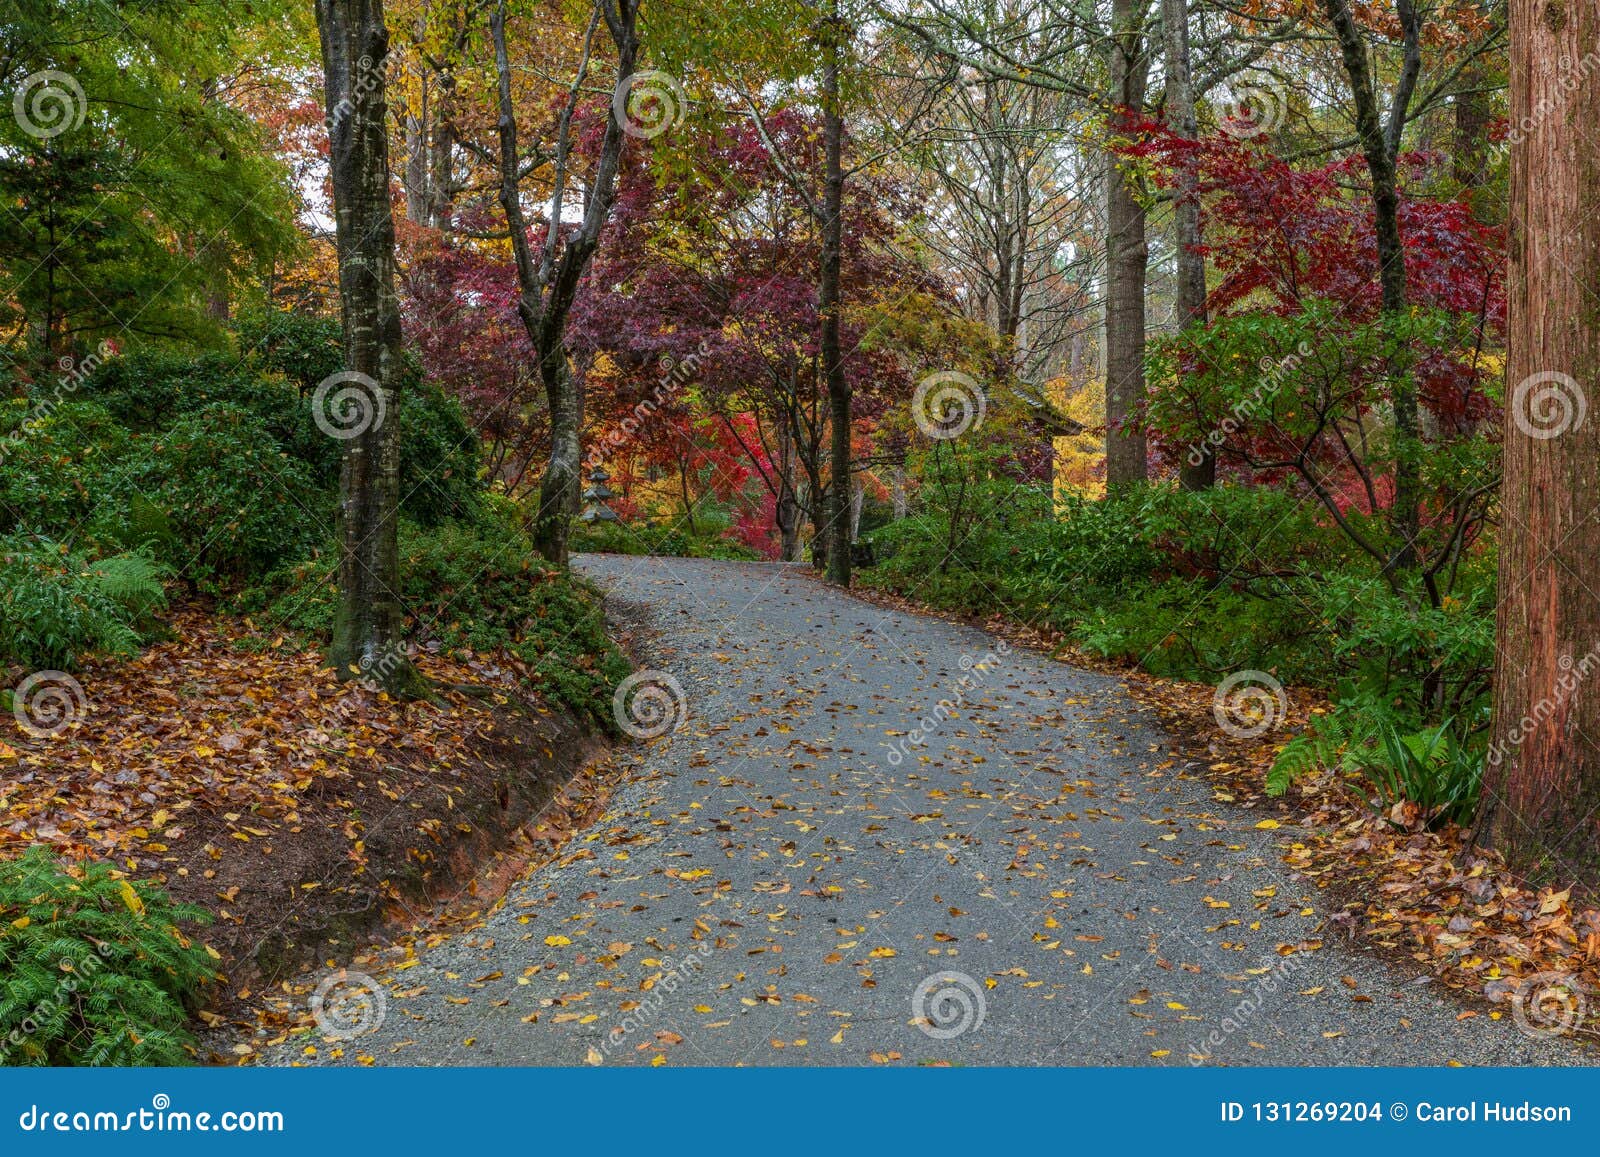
(548, 281)
(829, 304)
(1127, 258)
(367, 640)
(1542, 781)
(1191, 263)
(1380, 145)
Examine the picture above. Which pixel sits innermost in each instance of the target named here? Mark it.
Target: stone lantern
(595, 496)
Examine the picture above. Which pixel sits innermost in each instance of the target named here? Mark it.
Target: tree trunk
(561, 488)
(788, 507)
(1470, 147)
(1380, 145)
(1542, 780)
(1127, 256)
(1191, 263)
(830, 302)
(365, 410)
(548, 282)
(441, 150)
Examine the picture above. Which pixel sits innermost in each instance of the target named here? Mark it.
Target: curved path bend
(794, 877)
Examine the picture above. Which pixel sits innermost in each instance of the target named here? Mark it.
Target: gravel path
(823, 865)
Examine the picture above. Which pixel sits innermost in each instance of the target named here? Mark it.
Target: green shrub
(226, 501)
(439, 455)
(655, 538)
(477, 586)
(54, 464)
(56, 606)
(152, 392)
(303, 347)
(151, 389)
(93, 969)
(1439, 768)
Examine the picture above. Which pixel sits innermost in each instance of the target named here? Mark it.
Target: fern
(1434, 767)
(56, 605)
(93, 968)
(131, 581)
(1335, 741)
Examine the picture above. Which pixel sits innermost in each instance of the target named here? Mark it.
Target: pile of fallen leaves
(236, 771)
(1427, 896)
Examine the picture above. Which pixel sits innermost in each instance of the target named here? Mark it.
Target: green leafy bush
(55, 463)
(303, 347)
(439, 455)
(94, 970)
(233, 503)
(56, 606)
(151, 392)
(480, 587)
(655, 538)
(1439, 768)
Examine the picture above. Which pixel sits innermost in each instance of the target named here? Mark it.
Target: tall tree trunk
(415, 175)
(1191, 263)
(830, 302)
(561, 488)
(441, 150)
(367, 625)
(1470, 146)
(548, 281)
(1380, 145)
(1542, 782)
(1127, 256)
(788, 506)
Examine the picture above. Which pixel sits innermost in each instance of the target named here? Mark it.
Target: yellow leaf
(131, 899)
(557, 941)
(1267, 825)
